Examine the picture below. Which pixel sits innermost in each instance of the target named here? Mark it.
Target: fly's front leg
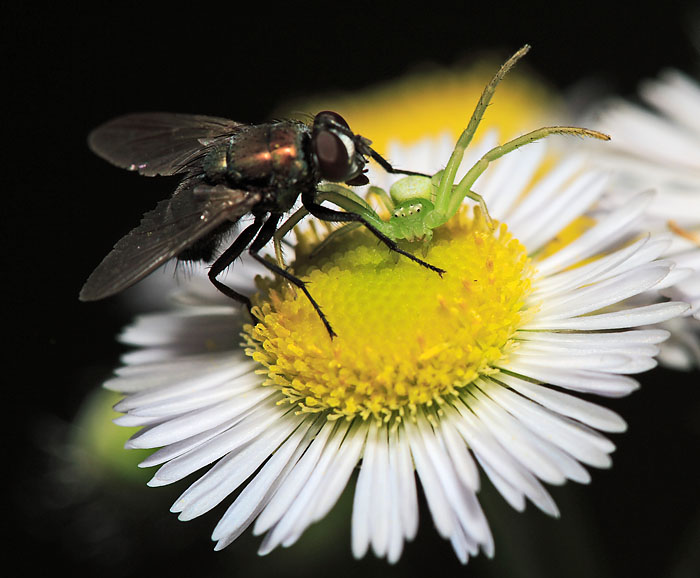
(386, 165)
(327, 214)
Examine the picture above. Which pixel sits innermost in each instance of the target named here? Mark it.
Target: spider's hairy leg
(443, 196)
(464, 186)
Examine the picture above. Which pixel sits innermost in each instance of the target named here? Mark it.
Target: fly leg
(266, 233)
(386, 165)
(229, 256)
(328, 214)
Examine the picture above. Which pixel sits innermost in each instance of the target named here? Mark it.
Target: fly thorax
(270, 158)
(249, 163)
(408, 218)
(291, 171)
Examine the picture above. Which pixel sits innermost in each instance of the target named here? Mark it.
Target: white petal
(406, 482)
(195, 422)
(206, 392)
(438, 502)
(560, 211)
(340, 470)
(608, 230)
(297, 477)
(258, 491)
(577, 379)
(225, 444)
(298, 516)
(459, 454)
(137, 421)
(489, 451)
(361, 507)
(508, 177)
(633, 317)
(397, 531)
(380, 496)
(150, 355)
(584, 353)
(579, 442)
(677, 96)
(642, 251)
(510, 494)
(462, 499)
(610, 362)
(614, 339)
(174, 450)
(546, 188)
(682, 278)
(156, 378)
(588, 343)
(193, 329)
(584, 411)
(602, 294)
(540, 457)
(231, 471)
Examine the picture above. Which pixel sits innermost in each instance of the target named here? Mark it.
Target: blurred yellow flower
(431, 102)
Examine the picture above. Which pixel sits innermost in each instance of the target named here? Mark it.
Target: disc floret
(406, 337)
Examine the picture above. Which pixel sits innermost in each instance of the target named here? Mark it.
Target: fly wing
(157, 143)
(175, 224)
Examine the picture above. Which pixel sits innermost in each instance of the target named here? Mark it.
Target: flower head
(448, 378)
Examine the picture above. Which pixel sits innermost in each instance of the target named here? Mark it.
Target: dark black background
(71, 68)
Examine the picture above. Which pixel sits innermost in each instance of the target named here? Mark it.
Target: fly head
(339, 153)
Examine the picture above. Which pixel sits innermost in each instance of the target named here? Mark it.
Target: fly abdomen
(205, 249)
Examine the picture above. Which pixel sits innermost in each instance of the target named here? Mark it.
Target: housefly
(228, 170)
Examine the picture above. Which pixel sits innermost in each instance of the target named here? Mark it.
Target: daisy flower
(658, 146)
(430, 380)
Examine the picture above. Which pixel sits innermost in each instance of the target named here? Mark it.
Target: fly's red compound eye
(333, 154)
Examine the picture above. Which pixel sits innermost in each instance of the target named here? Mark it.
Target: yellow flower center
(405, 336)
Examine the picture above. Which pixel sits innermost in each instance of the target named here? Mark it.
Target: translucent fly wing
(157, 143)
(175, 224)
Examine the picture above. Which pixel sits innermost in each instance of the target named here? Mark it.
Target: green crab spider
(419, 204)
